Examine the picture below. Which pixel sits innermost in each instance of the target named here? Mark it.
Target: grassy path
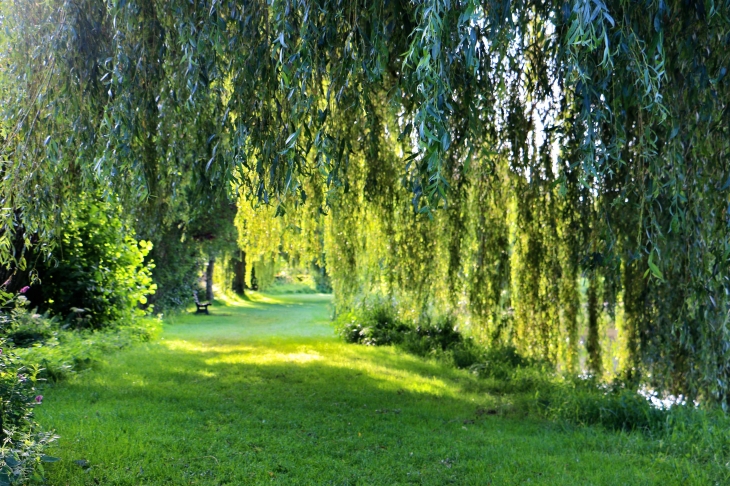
(261, 392)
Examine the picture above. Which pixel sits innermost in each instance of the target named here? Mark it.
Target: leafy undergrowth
(63, 353)
(262, 392)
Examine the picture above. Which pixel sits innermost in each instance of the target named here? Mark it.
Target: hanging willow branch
(603, 125)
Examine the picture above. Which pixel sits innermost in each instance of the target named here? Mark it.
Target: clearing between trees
(262, 391)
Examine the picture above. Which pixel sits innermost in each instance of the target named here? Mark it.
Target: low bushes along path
(262, 392)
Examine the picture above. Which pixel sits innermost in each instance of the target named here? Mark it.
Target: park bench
(201, 307)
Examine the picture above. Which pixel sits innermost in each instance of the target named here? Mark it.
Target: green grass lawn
(262, 392)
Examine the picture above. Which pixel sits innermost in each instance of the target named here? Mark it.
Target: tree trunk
(209, 279)
(634, 308)
(593, 344)
(239, 274)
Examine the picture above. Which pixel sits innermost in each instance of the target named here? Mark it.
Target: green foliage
(46, 351)
(23, 442)
(293, 281)
(26, 328)
(541, 391)
(585, 402)
(66, 352)
(433, 335)
(17, 390)
(262, 275)
(681, 429)
(22, 457)
(176, 270)
(322, 281)
(374, 324)
(559, 139)
(501, 363)
(98, 275)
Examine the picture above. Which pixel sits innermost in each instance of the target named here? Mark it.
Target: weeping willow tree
(268, 234)
(532, 165)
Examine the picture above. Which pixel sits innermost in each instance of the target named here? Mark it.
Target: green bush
(438, 335)
(58, 353)
(501, 363)
(586, 402)
(98, 275)
(466, 354)
(69, 352)
(682, 430)
(322, 281)
(23, 441)
(21, 327)
(302, 284)
(373, 324)
(376, 323)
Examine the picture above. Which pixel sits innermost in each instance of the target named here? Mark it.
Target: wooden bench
(201, 307)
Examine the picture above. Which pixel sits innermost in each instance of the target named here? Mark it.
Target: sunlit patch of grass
(228, 299)
(271, 357)
(266, 394)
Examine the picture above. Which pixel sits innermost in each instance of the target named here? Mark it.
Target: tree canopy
(474, 155)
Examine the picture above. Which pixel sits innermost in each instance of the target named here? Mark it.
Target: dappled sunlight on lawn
(206, 347)
(386, 366)
(234, 301)
(265, 357)
(379, 374)
(260, 300)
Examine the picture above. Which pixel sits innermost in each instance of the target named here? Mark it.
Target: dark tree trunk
(239, 274)
(634, 308)
(254, 280)
(593, 344)
(209, 279)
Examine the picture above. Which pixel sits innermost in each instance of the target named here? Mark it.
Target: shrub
(466, 354)
(432, 337)
(438, 335)
(23, 442)
(536, 388)
(585, 401)
(441, 338)
(682, 430)
(374, 324)
(22, 327)
(322, 281)
(501, 363)
(99, 275)
(348, 327)
(292, 283)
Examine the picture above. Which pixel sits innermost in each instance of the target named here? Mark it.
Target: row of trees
(487, 157)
